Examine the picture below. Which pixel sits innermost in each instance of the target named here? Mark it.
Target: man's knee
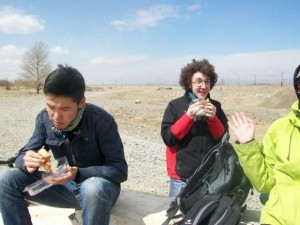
(14, 178)
(100, 188)
(10, 184)
(9, 176)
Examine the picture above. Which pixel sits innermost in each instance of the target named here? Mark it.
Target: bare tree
(35, 67)
(5, 83)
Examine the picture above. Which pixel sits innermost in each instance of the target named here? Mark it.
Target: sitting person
(88, 136)
(192, 124)
(273, 167)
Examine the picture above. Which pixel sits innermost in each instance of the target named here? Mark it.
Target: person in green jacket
(274, 166)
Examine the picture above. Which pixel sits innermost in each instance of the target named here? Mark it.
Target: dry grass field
(143, 106)
(263, 104)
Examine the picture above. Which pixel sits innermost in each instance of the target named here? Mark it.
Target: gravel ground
(138, 112)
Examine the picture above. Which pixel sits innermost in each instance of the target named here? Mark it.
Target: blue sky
(148, 42)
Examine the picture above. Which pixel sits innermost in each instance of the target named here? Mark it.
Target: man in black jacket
(87, 136)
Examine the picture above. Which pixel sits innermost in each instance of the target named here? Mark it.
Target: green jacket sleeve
(258, 161)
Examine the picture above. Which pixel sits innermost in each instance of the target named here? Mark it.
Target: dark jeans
(95, 196)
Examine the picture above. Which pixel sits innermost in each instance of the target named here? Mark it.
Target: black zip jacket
(96, 147)
(185, 153)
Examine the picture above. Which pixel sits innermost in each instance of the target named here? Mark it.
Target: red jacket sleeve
(215, 127)
(182, 126)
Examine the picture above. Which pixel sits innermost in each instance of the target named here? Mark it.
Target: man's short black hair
(65, 81)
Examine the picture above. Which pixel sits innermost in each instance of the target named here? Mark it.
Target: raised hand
(242, 126)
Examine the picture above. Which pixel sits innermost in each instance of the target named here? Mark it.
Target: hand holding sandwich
(33, 160)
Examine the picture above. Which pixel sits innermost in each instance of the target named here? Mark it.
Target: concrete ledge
(135, 206)
(132, 208)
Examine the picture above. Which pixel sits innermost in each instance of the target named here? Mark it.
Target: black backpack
(215, 193)
(10, 162)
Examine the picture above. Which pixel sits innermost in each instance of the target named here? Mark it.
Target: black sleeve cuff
(77, 177)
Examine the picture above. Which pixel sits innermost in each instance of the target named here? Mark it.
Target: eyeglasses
(199, 83)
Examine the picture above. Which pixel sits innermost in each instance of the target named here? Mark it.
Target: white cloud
(14, 21)
(60, 51)
(118, 23)
(10, 61)
(265, 66)
(100, 60)
(146, 18)
(143, 69)
(194, 7)
(11, 51)
(117, 60)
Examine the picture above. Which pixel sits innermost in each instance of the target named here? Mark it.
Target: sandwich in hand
(46, 156)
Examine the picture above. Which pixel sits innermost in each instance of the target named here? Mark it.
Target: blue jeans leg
(13, 205)
(96, 197)
(175, 187)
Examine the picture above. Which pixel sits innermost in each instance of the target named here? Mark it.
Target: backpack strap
(225, 137)
(220, 156)
(171, 212)
(10, 161)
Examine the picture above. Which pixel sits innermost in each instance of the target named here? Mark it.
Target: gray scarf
(76, 121)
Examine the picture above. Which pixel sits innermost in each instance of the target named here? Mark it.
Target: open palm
(242, 126)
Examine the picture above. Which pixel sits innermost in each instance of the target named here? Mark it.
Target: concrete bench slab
(132, 208)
